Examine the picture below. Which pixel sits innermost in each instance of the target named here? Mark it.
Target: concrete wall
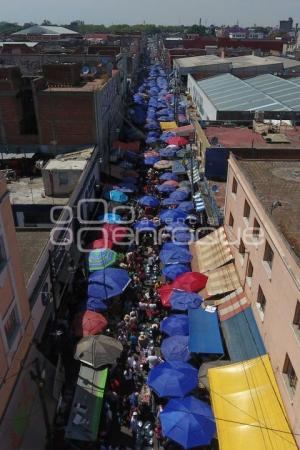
(280, 285)
(52, 181)
(205, 107)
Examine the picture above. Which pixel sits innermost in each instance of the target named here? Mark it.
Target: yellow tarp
(248, 406)
(167, 125)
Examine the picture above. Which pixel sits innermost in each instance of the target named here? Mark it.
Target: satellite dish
(104, 59)
(85, 70)
(94, 70)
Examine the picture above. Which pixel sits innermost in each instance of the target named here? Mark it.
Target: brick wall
(66, 118)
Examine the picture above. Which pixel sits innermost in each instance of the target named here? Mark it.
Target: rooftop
(284, 91)
(229, 93)
(243, 137)
(44, 30)
(88, 86)
(277, 180)
(30, 191)
(56, 164)
(31, 244)
(196, 61)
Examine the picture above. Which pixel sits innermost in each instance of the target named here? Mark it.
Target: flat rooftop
(89, 86)
(31, 244)
(277, 180)
(30, 191)
(243, 137)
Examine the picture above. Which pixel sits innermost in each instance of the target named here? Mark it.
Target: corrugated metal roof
(284, 91)
(229, 93)
(41, 29)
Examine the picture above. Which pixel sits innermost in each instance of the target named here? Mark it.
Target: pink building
(262, 215)
(15, 319)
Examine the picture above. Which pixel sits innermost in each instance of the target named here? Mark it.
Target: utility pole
(38, 379)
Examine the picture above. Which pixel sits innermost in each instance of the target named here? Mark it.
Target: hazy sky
(248, 12)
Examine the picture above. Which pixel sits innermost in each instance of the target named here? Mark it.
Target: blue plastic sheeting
(242, 336)
(205, 336)
(216, 163)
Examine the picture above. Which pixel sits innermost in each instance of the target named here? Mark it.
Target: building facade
(261, 224)
(16, 328)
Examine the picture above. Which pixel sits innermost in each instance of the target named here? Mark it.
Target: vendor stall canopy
(248, 407)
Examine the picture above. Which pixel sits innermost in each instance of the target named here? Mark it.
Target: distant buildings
(285, 26)
(45, 33)
(261, 223)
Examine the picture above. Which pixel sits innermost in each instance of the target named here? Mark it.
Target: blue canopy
(242, 336)
(173, 246)
(167, 135)
(176, 324)
(152, 126)
(145, 225)
(165, 188)
(175, 348)
(186, 206)
(172, 215)
(151, 160)
(173, 379)
(149, 200)
(205, 336)
(176, 226)
(167, 176)
(110, 218)
(167, 153)
(169, 202)
(179, 195)
(94, 304)
(107, 283)
(184, 236)
(182, 301)
(173, 270)
(116, 196)
(175, 256)
(188, 421)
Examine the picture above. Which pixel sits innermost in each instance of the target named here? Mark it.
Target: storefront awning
(204, 332)
(242, 336)
(232, 304)
(211, 252)
(247, 406)
(186, 130)
(221, 281)
(167, 125)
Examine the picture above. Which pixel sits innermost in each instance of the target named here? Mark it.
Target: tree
(46, 23)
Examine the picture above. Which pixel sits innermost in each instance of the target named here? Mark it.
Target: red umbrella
(88, 323)
(178, 140)
(190, 281)
(115, 233)
(101, 243)
(171, 183)
(165, 293)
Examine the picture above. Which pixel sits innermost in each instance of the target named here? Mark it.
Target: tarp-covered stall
(204, 332)
(248, 407)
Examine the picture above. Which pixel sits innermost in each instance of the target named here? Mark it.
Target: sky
(164, 12)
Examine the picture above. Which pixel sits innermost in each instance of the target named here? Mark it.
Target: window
(234, 186)
(231, 220)
(242, 250)
(11, 326)
(246, 210)
(268, 255)
(3, 258)
(63, 178)
(256, 230)
(296, 321)
(249, 273)
(290, 375)
(261, 302)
